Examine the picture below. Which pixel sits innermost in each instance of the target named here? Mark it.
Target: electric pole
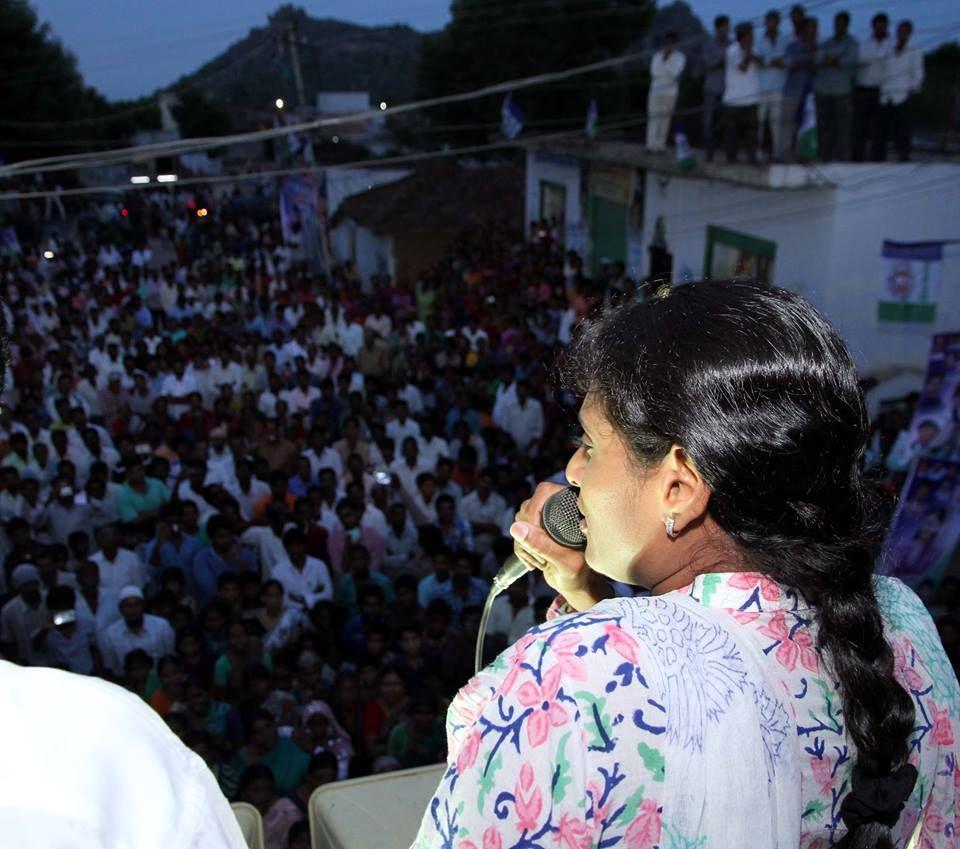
(295, 62)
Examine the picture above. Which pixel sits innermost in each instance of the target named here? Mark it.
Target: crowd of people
(267, 502)
(757, 84)
(270, 502)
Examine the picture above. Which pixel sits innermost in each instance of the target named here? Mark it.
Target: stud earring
(670, 526)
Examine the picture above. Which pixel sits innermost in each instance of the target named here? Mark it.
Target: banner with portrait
(925, 528)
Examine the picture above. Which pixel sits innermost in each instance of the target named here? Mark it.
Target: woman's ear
(684, 492)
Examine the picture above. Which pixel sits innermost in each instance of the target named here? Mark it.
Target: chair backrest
(251, 823)
(375, 812)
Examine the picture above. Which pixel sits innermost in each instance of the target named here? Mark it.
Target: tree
(488, 41)
(938, 106)
(46, 107)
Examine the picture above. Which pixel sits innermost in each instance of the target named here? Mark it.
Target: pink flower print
(799, 646)
(942, 727)
(822, 773)
(517, 656)
(565, 647)
(528, 800)
(492, 839)
(572, 833)
(468, 752)
(621, 642)
(466, 844)
(769, 590)
(906, 674)
(745, 617)
(644, 831)
(595, 793)
(933, 827)
(546, 710)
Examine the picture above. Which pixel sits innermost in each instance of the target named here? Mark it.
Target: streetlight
(167, 178)
(140, 180)
(383, 105)
(279, 103)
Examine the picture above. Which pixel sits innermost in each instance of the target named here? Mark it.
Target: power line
(117, 156)
(46, 164)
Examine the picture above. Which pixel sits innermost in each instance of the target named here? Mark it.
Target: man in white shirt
(773, 76)
(409, 465)
(351, 338)
(266, 542)
(306, 580)
(379, 321)
(220, 463)
(402, 426)
(741, 95)
(247, 490)
(119, 567)
(432, 446)
(135, 630)
(873, 57)
(524, 420)
(131, 783)
(666, 66)
(321, 455)
(400, 543)
(902, 79)
(483, 508)
(178, 387)
(302, 395)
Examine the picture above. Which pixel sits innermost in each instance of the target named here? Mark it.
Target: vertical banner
(911, 281)
(925, 528)
(298, 196)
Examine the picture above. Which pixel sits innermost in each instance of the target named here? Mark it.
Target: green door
(608, 231)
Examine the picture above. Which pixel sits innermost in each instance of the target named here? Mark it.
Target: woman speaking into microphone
(770, 691)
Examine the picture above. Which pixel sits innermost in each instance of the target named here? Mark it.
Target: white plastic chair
(251, 823)
(374, 812)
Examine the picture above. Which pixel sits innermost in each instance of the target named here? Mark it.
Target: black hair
(61, 597)
(321, 760)
(721, 20)
(255, 772)
(761, 393)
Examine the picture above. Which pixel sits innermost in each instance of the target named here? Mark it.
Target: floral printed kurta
(701, 718)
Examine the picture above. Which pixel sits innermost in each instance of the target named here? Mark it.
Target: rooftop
(773, 177)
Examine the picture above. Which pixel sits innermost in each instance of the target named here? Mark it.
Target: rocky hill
(334, 56)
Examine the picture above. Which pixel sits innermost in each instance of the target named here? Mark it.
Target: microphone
(560, 518)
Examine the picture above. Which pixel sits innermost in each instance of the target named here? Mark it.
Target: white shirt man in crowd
(306, 580)
(401, 425)
(741, 96)
(873, 57)
(483, 508)
(902, 80)
(178, 387)
(666, 68)
(524, 419)
(773, 77)
(401, 543)
(119, 567)
(134, 630)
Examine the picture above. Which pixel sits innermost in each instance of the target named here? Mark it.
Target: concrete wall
(369, 252)
(565, 171)
(344, 182)
(828, 242)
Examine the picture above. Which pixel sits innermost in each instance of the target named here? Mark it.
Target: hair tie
(878, 800)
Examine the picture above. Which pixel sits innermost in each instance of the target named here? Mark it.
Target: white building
(817, 230)
(370, 132)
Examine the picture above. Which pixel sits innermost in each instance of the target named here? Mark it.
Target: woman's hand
(564, 569)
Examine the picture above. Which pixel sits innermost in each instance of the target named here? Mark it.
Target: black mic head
(560, 518)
